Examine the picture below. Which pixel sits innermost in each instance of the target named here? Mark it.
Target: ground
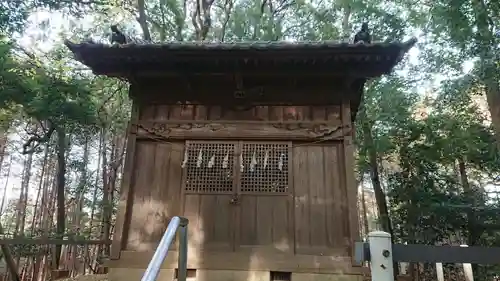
(91, 277)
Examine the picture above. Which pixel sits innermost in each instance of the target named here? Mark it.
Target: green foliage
(47, 95)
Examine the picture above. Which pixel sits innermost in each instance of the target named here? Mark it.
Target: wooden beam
(446, 254)
(305, 131)
(340, 66)
(435, 254)
(248, 261)
(171, 71)
(49, 241)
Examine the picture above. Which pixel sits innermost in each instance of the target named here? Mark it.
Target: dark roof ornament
(363, 35)
(117, 36)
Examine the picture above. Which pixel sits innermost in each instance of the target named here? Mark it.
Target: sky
(43, 39)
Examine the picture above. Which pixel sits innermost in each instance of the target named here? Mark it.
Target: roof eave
(85, 53)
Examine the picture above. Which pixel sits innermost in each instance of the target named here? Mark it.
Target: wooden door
(264, 213)
(209, 186)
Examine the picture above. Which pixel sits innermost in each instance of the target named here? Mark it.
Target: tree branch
(228, 7)
(35, 141)
(142, 19)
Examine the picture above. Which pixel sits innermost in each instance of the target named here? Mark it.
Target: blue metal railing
(180, 224)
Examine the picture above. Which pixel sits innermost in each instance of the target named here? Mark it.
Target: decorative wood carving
(291, 130)
(318, 129)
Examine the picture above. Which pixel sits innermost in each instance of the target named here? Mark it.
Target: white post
(439, 271)
(381, 256)
(403, 267)
(469, 276)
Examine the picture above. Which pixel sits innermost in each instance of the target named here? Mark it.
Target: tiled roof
(207, 57)
(249, 45)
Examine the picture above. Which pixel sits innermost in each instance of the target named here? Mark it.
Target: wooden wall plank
(281, 237)
(141, 223)
(316, 200)
(301, 184)
(172, 167)
(320, 222)
(147, 112)
(255, 113)
(333, 210)
(264, 224)
(210, 224)
(247, 221)
(162, 112)
(156, 192)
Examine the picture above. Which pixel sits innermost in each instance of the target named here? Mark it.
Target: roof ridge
(261, 44)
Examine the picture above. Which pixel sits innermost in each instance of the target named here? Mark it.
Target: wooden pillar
(350, 181)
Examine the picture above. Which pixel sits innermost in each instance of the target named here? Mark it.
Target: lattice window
(209, 167)
(264, 168)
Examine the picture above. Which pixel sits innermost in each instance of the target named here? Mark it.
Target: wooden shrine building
(252, 142)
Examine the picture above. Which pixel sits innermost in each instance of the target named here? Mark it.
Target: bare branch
(180, 27)
(228, 7)
(35, 141)
(142, 19)
(101, 107)
(195, 19)
(201, 19)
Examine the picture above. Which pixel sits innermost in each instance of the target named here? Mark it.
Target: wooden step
(400, 278)
(57, 274)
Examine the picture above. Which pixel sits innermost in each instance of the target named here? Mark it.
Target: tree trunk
(4, 131)
(105, 214)
(142, 19)
(23, 202)
(346, 31)
(77, 211)
(365, 211)
(47, 208)
(4, 197)
(489, 72)
(493, 99)
(82, 186)
(380, 198)
(47, 192)
(37, 214)
(23, 196)
(375, 177)
(474, 230)
(88, 253)
(60, 187)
